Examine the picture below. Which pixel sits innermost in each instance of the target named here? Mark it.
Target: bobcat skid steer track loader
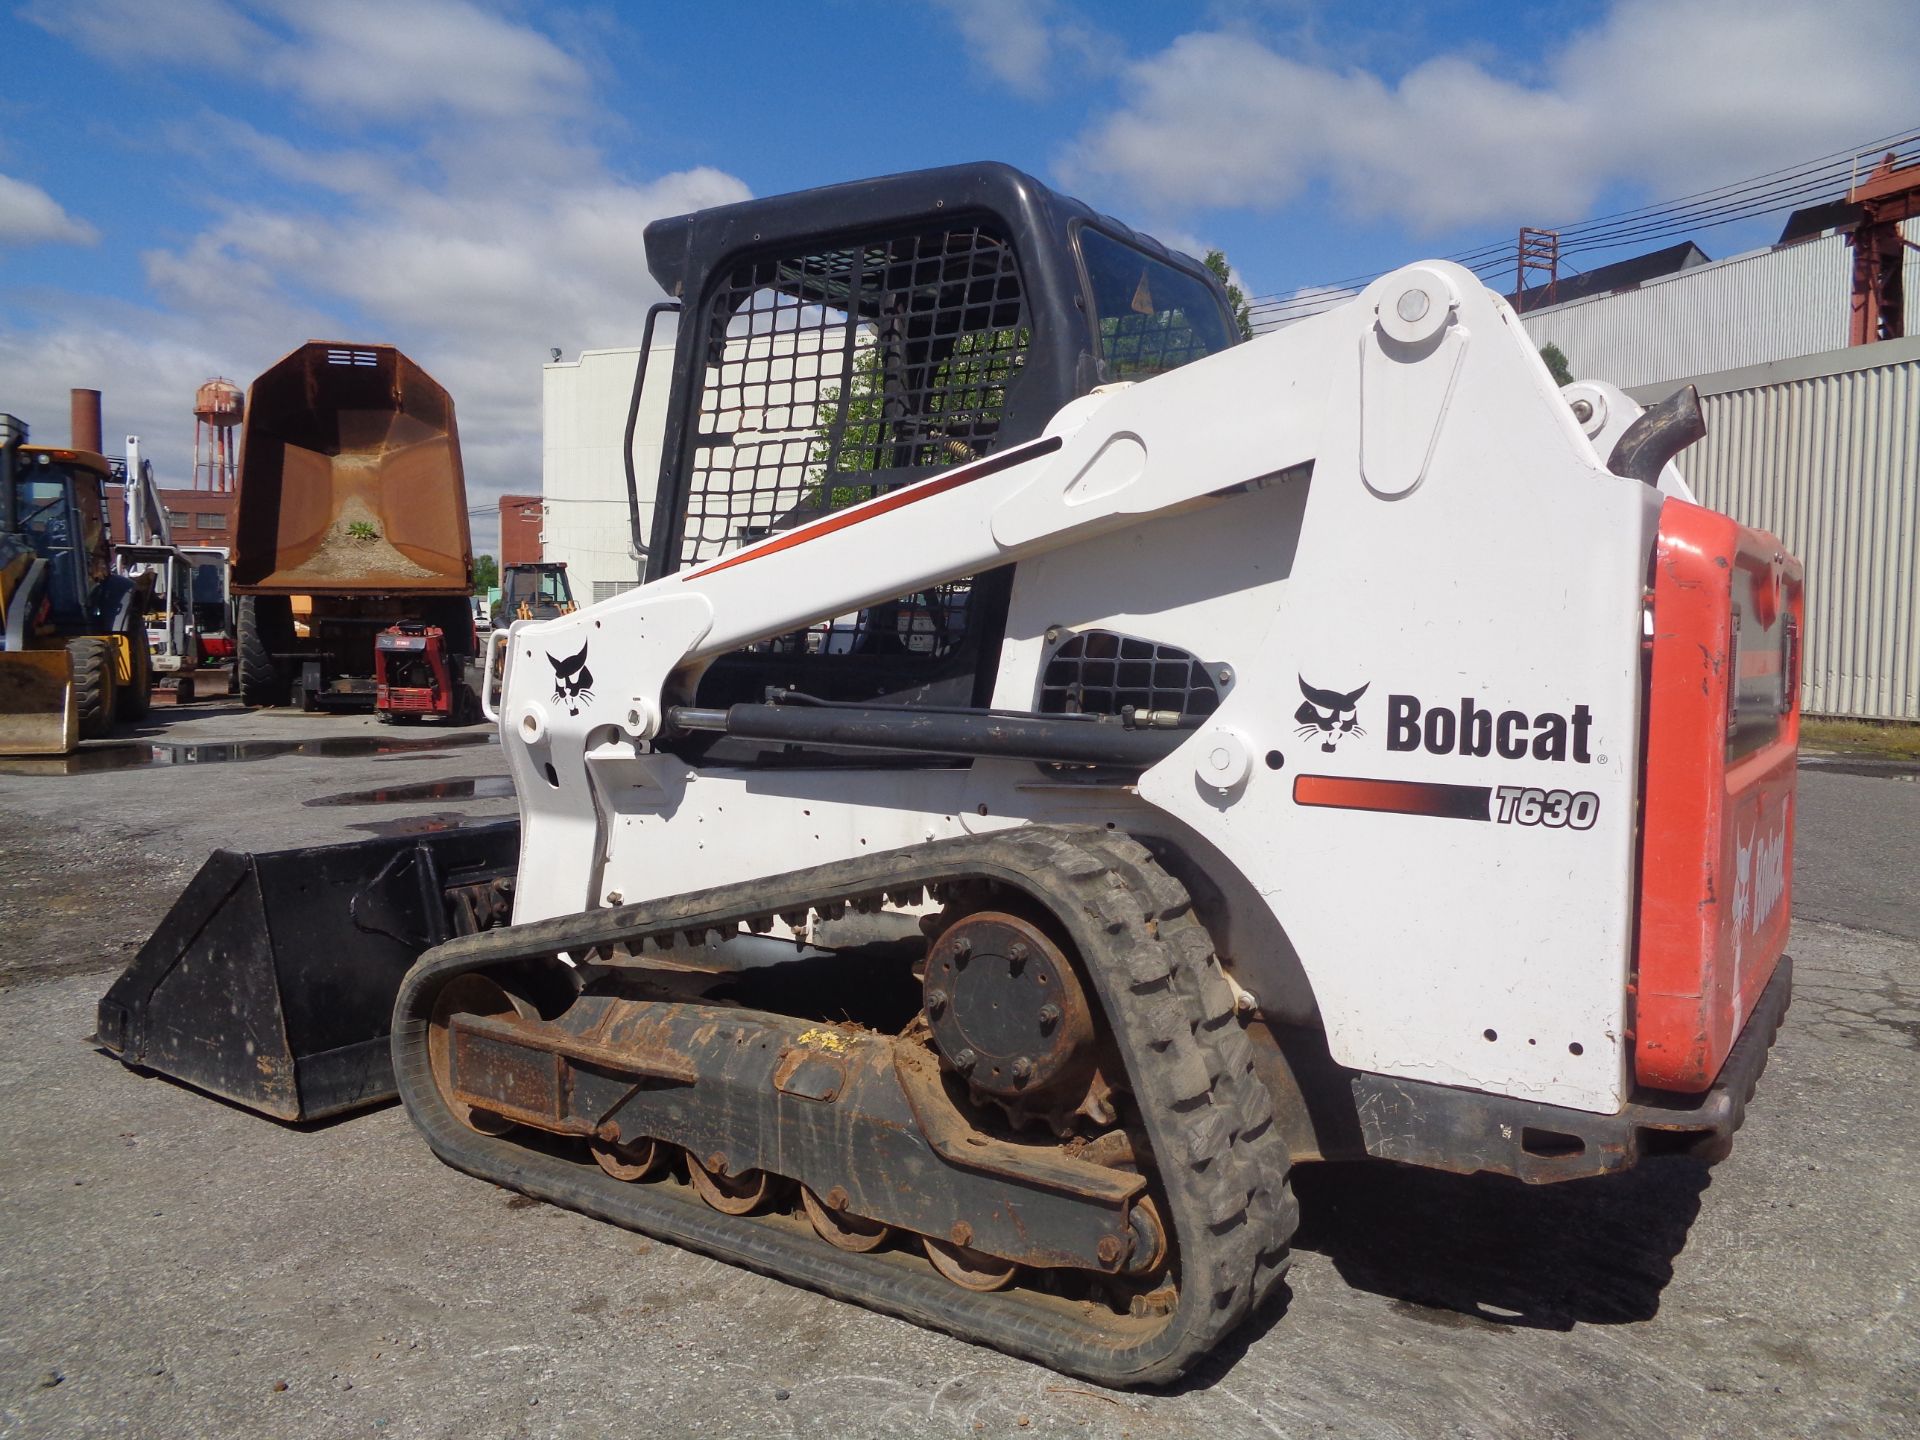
(1068, 767)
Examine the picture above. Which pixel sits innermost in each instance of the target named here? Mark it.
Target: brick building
(196, 517)
(522, 519)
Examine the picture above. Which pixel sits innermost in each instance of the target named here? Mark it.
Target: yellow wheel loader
(74, 651)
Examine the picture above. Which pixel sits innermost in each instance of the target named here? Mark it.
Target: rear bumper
(1468, 1132)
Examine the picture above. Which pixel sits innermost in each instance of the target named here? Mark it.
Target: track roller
(839, 1229)
(970, 1269)
(628, 1162)
(740, 1194)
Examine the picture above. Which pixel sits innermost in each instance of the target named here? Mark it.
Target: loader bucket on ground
(272, 979)
(37, 713)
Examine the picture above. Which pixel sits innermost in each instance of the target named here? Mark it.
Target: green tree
(966, 389)
(1216, 261)
(486, 574)
(860, 437)
(1556, 362)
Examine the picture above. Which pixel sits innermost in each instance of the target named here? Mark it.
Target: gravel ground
(176, 1266)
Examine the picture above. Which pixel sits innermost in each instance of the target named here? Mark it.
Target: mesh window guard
(839, 374)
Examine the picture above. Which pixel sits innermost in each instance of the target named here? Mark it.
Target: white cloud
(476, 228)
(356, 59)
(1029, 46)
(151, 397)
(474, 287)
(1670, 94)
(143, 32)
(30, 216)
(346, 172)
(1010, 39)
(377, 59)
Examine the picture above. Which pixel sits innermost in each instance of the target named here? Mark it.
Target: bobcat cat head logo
(1328, 714)
(572, 680)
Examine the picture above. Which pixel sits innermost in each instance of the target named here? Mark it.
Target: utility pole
(1890, 194)
(1538, 250)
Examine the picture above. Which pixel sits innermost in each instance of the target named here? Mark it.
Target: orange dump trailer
(352, 517)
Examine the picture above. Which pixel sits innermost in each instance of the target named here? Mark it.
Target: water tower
(216, 410)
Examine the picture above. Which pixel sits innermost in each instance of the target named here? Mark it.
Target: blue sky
(191, 187)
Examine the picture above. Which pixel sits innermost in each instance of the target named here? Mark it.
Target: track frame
(1208, 1118)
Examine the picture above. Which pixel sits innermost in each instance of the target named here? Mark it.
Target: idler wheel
(968, 1268)
(628, 1162)
(1009, 1014)
(471, 994)
(729, 1194)
(838, 1228)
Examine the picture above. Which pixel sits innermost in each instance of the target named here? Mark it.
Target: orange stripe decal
(1396, 797)
(882, 505)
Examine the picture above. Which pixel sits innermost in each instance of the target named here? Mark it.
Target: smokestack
(86, 420)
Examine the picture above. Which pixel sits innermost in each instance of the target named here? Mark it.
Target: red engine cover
(1723, 734)
(406, 647)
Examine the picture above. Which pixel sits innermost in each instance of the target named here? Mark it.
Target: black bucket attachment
(271, 982)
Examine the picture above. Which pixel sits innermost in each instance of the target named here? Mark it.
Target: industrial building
(195, 518)
(1813, 426)
(1635, 325)
(583, 413)
(1824, 451)
(777, 379)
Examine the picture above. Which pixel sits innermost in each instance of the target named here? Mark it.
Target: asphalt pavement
(176, 1266)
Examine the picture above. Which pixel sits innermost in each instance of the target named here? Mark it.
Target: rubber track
(1220, 1162)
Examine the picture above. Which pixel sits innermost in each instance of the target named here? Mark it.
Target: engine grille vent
(1100, 672)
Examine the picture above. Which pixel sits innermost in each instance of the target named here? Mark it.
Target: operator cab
(59, 499)
(538, 590)
(840, 343)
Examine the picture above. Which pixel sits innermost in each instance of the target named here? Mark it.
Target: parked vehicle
(352, 516)
(73, 654)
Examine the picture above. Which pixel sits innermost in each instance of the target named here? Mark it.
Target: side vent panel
(1101, 672)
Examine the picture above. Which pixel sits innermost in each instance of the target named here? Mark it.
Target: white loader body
(1389, 501)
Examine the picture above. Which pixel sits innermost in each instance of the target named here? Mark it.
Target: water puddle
(140, 754)
(465, 787)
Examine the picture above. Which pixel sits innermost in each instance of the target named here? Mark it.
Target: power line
(1758, 195)
(1789, 179)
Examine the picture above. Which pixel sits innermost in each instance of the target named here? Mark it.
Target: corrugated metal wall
(1910, 274)
(1770, 305)
(1825, 453)
(1766, 306)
